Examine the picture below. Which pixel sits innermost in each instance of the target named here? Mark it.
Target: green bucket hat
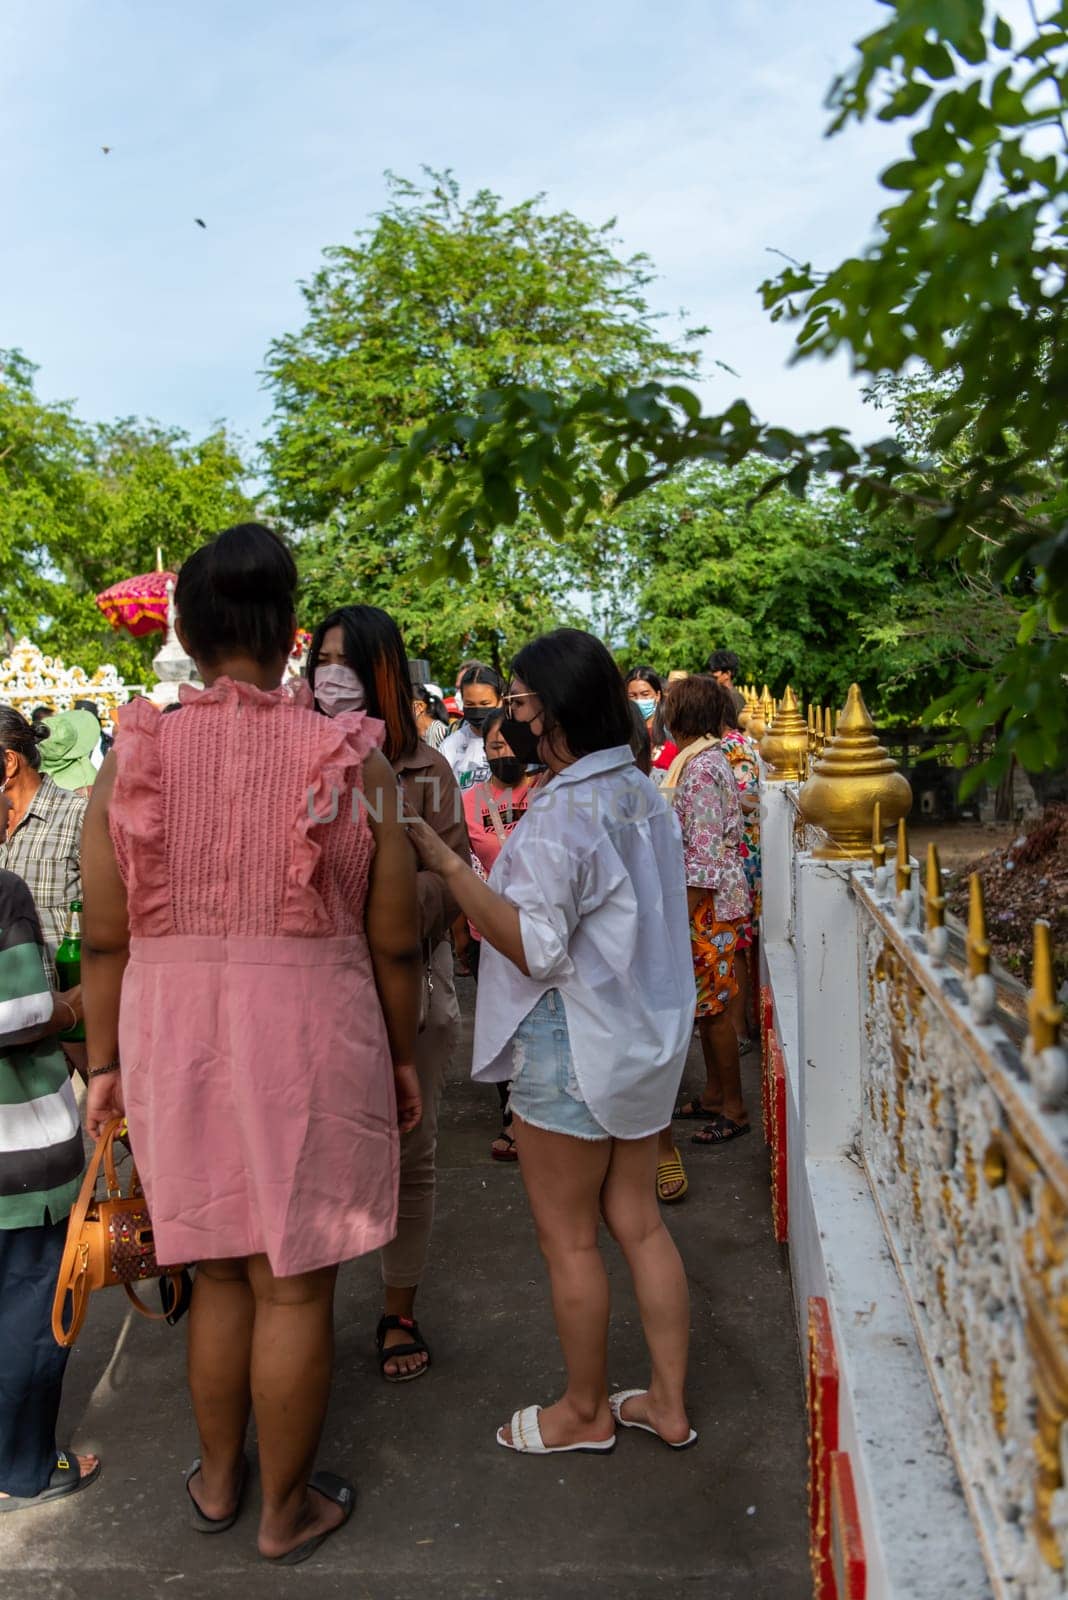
(72, 737)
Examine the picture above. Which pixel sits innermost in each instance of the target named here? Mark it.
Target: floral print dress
(710, 816)
(740, 751)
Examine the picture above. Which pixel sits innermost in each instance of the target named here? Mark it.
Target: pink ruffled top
(241, 814)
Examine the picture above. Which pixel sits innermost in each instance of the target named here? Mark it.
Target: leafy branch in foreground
(966, 276)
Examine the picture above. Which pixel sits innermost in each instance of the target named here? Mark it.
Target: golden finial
(878, 844)
(159, 558)
(811, 726)
(977, 945)
(821, 736)
(902, 864)
(753, 714)
(785, 743)
(1044, 1015)
(935, 898)
(853, 772)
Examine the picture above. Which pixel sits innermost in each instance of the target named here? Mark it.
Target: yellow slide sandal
(670, 1173)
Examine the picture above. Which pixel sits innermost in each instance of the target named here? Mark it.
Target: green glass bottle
(69, 963)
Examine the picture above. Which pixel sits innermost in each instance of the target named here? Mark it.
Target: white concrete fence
(920, 1177)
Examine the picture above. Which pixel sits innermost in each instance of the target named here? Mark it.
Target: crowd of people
(280, 887)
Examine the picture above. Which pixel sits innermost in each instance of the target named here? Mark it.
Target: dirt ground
(1023, 868)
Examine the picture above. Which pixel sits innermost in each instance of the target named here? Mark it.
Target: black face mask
(507, 770)
(475, 716)
(523, 741)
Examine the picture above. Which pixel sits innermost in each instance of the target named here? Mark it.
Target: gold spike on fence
(935, 898)
(976, 944)
(902, 865)
(1044, 1015)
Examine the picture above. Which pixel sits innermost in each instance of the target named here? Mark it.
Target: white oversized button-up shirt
(596, 870)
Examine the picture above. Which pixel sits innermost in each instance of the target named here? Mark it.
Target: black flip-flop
(721, 1130)
(417, 1346)
(199, 1519)
(331, 1487)
(67, 1478)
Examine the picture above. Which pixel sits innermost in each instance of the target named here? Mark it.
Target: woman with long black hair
(585, 1001)
(357, 661)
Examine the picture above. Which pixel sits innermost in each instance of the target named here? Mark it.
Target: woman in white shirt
(586, 1001)
(479, 689)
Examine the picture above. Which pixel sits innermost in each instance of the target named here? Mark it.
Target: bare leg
(630, 1211)
(739, 1006)
(292, 1360)
(563, 1178)
(719, 1042)
(220, 1351)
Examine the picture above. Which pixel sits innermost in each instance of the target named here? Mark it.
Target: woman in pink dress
(250, 891)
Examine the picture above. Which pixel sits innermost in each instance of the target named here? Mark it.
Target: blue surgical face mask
(646, 707)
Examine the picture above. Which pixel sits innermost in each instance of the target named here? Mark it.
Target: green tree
(806, 591)
(966, 275)
(83, 506)
(445, 297)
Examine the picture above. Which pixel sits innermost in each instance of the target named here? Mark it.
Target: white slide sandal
(527, 1440)
(617, 1402)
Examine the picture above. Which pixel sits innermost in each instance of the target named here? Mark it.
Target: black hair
(580, 687)
(434, 705)
(478, 673)
(39, 713)
(235, 596)
(24, 738)
(699, 705)
(496, 716)
(87, 705)
(645, 675)
(640, 742)
(724, 661)
(373, 648)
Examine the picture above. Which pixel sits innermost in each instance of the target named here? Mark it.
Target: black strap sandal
(509, 1153)
(67, 1478)
(693, 1111)
(721, 1131)
(417, 1346)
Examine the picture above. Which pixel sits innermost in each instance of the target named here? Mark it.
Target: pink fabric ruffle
(135, 815)
(347, 741)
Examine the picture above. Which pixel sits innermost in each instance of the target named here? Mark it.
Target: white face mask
(338, 689)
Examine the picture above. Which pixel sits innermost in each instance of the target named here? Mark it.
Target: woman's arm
(496, 919)
(393, 931)
(433, 794)
(105, 952)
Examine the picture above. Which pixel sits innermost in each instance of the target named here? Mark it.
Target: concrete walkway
(442, 1512)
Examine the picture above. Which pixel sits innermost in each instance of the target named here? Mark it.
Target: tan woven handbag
(109, 1241)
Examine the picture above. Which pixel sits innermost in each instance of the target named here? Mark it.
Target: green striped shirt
(41, 1152)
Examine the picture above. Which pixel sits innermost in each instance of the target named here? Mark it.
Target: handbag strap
(69, 1277)
(175, 1281)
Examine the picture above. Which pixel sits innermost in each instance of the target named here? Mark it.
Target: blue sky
(698, 125)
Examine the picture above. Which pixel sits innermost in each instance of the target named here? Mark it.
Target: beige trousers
(404, 1258)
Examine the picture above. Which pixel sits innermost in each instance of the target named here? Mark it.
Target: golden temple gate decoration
(29, 679)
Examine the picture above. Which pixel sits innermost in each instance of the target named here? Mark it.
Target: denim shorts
(545, 1090)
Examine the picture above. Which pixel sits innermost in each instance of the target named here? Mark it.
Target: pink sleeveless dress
(255, 1062)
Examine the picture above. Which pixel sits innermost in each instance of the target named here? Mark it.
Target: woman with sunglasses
(585, 1001)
